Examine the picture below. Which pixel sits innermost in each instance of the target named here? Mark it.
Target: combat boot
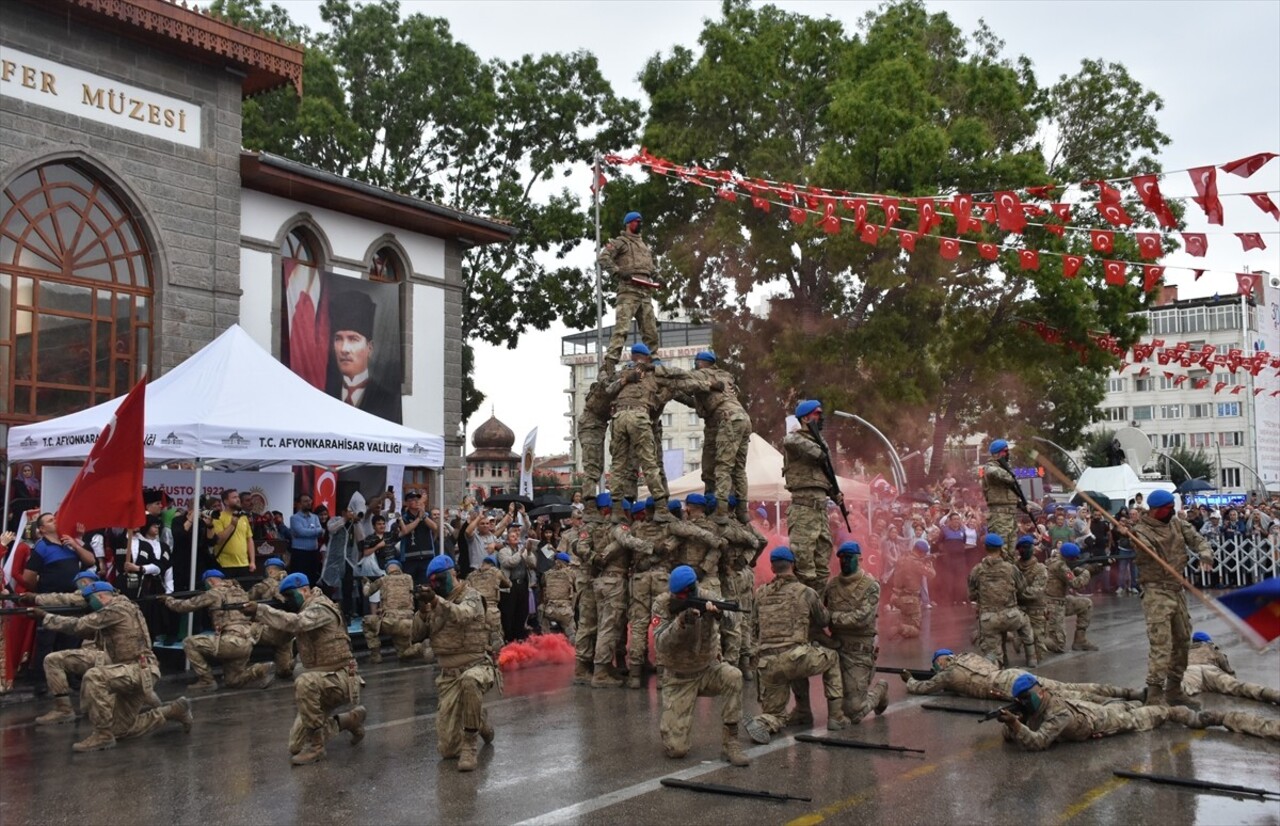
(266, 679)
(179, 711)
(633, 679)
(758, 731)
(1155, 696)
(486, 728)
(352, 721)
(467, 757)
(1177, 697)
(1271, 695)
(98, 741)
(836, 719)
(312, 752)
(1081, 643)
(730, 749)
(604, 679)
(1033, 657)
(203, 685)
(581, 673)
(375, 655)
(661, 513)
(1183, 716)
(881, 694)
(1205, 719)
(62, 712)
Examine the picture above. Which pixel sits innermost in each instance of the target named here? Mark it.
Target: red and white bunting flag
(1244, 167)
(1149, 245)
(1115, 215)
(907, 240)
(1265, 204)
(1251, 241)
(1245, 282)
(1151, 275)
(1102, 240)
(1071, 265)
(1205, 180)
(1114, 272)
(1029, 259)
(988, 251)
(1009, 214)
(949, 248)
(1149, 193)
(1196, 243)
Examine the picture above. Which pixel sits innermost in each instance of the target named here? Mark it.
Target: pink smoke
(541, 649)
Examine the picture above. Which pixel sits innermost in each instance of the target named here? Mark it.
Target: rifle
(734, 791)
(977, 712)
(53, 609)
(1014, 708)
(175, 595)
(830, 472)
(1017, 488)
(9, 597)
(852, 744)
(232, 606)
(698, 603)
(916, 673)
(1197, 785)
(1096, 560)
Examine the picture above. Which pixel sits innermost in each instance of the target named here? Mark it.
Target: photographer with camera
(420, 536)
(231, 535)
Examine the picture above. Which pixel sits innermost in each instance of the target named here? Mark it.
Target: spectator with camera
(231, 536)
(420, 536)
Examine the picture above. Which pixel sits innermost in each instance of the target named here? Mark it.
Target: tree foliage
(1185, 460)
(400, 103)
(909, 105)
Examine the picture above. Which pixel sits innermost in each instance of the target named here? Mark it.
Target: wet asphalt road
(568, 754)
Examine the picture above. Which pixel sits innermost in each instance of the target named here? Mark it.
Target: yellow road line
(1103, 789)
(819, 815)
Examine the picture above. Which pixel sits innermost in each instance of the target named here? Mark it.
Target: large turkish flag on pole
(107, 493)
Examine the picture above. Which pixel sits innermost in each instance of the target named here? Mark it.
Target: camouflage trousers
(646, 587)
(231, 650)
(399, 628)
(1122, 718)
(115, 697)
(1001, 687)
(1168, 635)
(809, 533)
(1212, 679)
(732, 435)
(734, 641)
(584, 641)
(560, 613)
(1057, 610)
(1038, 614)
(745, 583)
(591, 443)
(992, 626)
(77, 661)
(779, 668)
(909, 613)
(1002, 519)
(317, 694)
(1246, 723)
(493, 622)
(634, 303)
(730, 625)
(679, 691)
(611, 616)
(461, 706)
(281, 644)
(632, 446)
(857, 663)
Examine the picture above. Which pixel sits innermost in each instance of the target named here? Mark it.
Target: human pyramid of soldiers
(688, 570)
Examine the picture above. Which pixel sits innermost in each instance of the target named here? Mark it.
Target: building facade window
(1166, 382)
(1229, 379)
(1171, 411)
(1201, 440)
(1193, 320)
(668, 419)
(1230, 477)
(1231, 438)
(693, 419)
(1164, 322)
(1144, 412)
(1145, 385)
(76, 293)
(1228, 409)
(1171, 440)
(1117, 385)
(1223, 317)
(1199, 411)
(589, 372)
(1116, 414)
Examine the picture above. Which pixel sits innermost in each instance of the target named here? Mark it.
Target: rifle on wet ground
(1197, 785)
(916, 673)
(852, 744)
(699, 603)
(733, 791)
(829, 471)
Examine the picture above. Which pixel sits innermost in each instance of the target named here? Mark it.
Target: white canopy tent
(764, 478)
(233, 405)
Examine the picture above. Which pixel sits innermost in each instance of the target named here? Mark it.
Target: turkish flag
(1063, 211)
(1179, 379)
(1009, 214)
(1258, 390)
(1162, 357)
(928, 215)
(1199, 384)
(1043, 192)
(726, 194)
(1235, 391)
(1103, 240)
(1151, 275)
(830, 221)
(108, 490)
(760, 203)
(599, 182)
(1251, 241)
(1055, 229)
(907, 240)
(1029, 259)
(1247, 166)
(870, 233)
(1124, 365)
(1107, 193)
(1114, 272)
(1115, 215)
(1217, 388)
(962, 208)
(1145, 371)
(1071, 265)
(1149, 245)
(798, 215)
(1195, 274)
(989, 213)
(949, 248)
(1246, 281)
(988, 251)
(890, 207)
(787, 194)
(1149, 193)
(1205, 180)
(1265, 204)
(1197, 243)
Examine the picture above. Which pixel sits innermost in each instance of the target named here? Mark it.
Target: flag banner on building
(107, 493)
(526, 463)
(1256, 610)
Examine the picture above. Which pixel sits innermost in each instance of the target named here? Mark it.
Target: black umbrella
(1195, 486)
(1101, 499)
(503, 500)
(548, 499)
(554, 510)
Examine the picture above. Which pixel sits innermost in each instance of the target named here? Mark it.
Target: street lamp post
(1064, 452)
(895, 463)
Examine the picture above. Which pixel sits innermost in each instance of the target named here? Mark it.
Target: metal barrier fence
(1239, 561)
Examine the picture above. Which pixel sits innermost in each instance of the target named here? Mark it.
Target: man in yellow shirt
(231, 537)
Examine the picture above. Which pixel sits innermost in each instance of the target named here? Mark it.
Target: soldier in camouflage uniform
(1036, 576)
(692, 668)
(973, 675)
(281, 643)
(1060, 603)
(396, 588)
(488, 581)
(745, 544)
(1051, 717)
(115, 693)
(809, 532)
(1241, 722)
(995, 587)
(330, 680)
(629, 259)
(852, 598)
(77, 661)
(231, 642)
(614, 547)
(908, 575)
(649, 575)
(587, 621)
(1001, 491)
(1164, 605)
(452, 615)
(637, 395)
(785, 611)
(699, 545)
(597, 409)
(1208, 669)
(558, 593)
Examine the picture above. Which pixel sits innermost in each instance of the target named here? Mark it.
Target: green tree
(1184, 460)
(928, 349)
(1096, 447)
(399, 103)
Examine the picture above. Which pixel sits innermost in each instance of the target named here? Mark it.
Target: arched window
(386, 266)
(75, 293)
(304, 347)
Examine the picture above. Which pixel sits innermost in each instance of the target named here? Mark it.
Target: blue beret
(696, 500)
(1201, 636)
(638, 507)
(920, 545)
(674, 506)
(276, 561)
(1024, 683)
(806, 407)
(631, 216)
(394, 562)
(994, 540)
(491, 559)
(997, 446)
(712, 501)
(86, 574)
(563, 557)
(682, 577)
(942, 652)
(440, 563)
(781, 554)
(1024, 540)
(649, 502)
(604, 500)
(214, 573)
(705, 355)
(1159, 498)
(640, 349)
(764, 514)
(97, 587)
(1070, 550)
(294, 581)
(733, 501)
(849, 548)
